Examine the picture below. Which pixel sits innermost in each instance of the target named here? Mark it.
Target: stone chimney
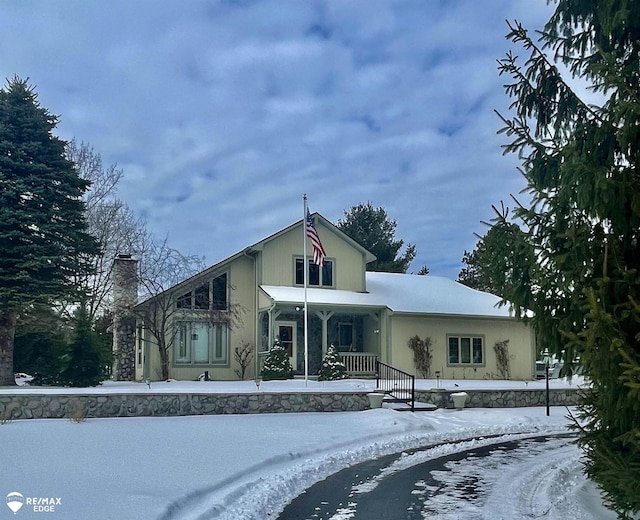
(125, 294)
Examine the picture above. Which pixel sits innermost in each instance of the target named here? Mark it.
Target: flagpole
(305, 263)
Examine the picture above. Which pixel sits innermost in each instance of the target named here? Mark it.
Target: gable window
(319, 276)
(220, 292)
(201, 297)
(200, 343)
(465, 350)
(211, 295)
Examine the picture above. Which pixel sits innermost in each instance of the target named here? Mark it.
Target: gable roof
(401, 293)
(258, 246)
(369, 256)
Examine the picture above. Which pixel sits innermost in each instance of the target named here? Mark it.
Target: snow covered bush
(277, 364)
(332, 367)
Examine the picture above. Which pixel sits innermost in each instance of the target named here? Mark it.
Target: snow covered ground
(250, 466)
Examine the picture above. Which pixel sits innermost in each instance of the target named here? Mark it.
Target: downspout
(256, 332)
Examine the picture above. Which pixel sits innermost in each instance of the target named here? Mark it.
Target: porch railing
(399, 385)
(359, 363)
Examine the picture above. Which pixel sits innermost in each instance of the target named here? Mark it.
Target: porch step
(404, 407)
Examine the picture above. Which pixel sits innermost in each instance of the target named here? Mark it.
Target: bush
(332, 367)
(277, 364)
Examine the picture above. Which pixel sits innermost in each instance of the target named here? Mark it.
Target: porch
(360, 364)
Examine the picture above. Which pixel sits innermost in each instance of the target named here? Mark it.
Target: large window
(211, 295)
(465, 350)
(319, 275)
(200, 343)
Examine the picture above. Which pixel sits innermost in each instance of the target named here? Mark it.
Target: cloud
(222, 114)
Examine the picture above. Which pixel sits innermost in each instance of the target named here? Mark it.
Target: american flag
(318, 251)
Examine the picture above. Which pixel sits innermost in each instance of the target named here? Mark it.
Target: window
(184, 301)
(139, 343)
(211, 295)
(318, 275)
(466, 350)
(201, 297)
(199, 343)
(345, 337)
(220, 292)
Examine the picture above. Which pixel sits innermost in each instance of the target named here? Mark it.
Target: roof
(401, 293)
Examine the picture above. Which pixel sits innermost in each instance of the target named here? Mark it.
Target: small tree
(86, 365)
(503, 361)
(422, 354)
(332, 367)
(277, 364)
(243, 355)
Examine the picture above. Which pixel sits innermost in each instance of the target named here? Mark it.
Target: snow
(401, 293)
(250, 466)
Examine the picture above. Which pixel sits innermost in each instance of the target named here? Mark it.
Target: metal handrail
(400, 385)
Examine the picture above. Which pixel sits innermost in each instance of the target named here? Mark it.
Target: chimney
(125, 294)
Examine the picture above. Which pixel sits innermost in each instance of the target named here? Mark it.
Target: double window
(201, 343)
(211, 295)
(465, 350)
(319, 275)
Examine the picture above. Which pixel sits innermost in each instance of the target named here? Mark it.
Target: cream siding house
(365, 315)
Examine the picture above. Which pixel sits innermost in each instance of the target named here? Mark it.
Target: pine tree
(332, 367)
(581, 162)
(43, 242)
(85, 366)
(372, 229)
(277, 364)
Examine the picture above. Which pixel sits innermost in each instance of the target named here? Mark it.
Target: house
(366, 315)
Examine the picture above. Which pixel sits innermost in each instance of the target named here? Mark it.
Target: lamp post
(546, 377)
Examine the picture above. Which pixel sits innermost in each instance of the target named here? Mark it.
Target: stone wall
(80, 406)
(36, 406)
(501, 398)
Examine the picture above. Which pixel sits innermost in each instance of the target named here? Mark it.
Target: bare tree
(110, 221)
(166, 274)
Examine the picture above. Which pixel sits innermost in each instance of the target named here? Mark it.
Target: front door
(287, 336)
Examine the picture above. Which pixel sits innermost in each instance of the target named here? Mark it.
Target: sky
(222, 114)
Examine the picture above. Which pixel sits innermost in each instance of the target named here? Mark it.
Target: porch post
(324, 317)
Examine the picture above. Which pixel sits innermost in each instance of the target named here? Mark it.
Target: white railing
(359, 363)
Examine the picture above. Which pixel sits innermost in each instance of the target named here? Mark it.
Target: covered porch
(355, 330)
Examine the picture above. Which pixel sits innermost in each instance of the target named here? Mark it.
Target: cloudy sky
(223, 113)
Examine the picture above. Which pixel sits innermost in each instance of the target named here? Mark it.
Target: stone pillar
(125, 294)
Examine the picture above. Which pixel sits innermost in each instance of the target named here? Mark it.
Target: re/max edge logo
(16, 500)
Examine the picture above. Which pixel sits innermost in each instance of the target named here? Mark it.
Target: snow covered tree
(581, 163)
(277, 364)
(44, 245)
(332, 367)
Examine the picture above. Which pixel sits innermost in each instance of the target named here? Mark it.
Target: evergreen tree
(41, 345)
(501, 261)
(43, 243)
(85, 366)
(277, 364)
(372, 229)
(581, 164)
(332, 367)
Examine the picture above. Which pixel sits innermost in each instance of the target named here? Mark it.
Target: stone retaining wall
(501, 398)
(80, 406)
